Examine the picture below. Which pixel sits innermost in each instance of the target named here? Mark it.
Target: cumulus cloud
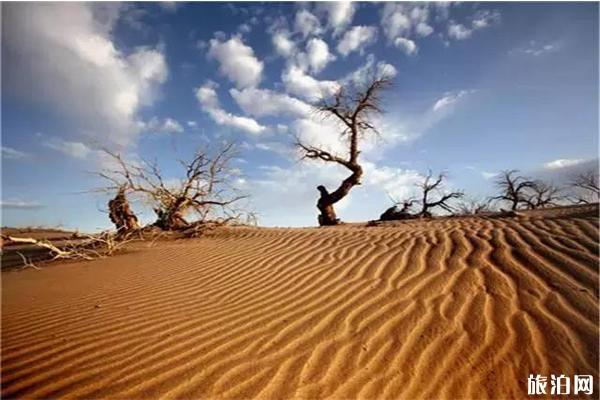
(297, 82)
(8, 153)
(402, 22)
(66, 51)
(485, 18)
(307, 24)
(263, 102)
(236, 61)
(408, 46)
(423, 29)
(339, 14)
(409, 21)
(356, 39)
(317, 55)
(482, 19)
(209, 101)
(395, 20)
(167, 125)
(371, 69)
(282, 43)
(563, 163)
(459, 31)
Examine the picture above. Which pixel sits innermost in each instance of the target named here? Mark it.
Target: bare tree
(474, 206)
(205, 187)
(586, 187)
(514, 188)
(394, 213)
(353, 108)
(542, 194)
(431, 186)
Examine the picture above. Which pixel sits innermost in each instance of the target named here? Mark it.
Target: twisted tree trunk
(327, 200)
(120, 213)
(172, 218)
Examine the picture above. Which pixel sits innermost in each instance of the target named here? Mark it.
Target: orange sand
(445, 309)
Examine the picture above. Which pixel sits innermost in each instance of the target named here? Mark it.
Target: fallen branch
(89, 248)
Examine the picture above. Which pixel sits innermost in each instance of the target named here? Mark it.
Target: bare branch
(206, 185)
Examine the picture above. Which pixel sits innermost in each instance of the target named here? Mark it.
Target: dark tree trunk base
(325, 205)
(121, 215)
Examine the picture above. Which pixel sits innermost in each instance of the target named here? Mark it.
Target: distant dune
(445, 309)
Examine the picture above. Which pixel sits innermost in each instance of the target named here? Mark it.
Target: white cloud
(207, 97)
(449, 100)
(488, 175)
(339, 14)
(192, 124)
(534, 48)
(71, 149)
(369, 69)
(307, 24)
(21, 205)
(459, 31)
(563, 163)
(320, 132)
(168, 125)
(63, 56)
(356, 39)
(406, 45)
(485, 18)
(8, 153)
(317, 55)
(297, 82)
(395, 20)
(169, 6)
(423, 29)
(284, 46)
(236, 61)
(262, 102)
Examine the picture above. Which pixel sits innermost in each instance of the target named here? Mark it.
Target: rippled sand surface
(444, 309)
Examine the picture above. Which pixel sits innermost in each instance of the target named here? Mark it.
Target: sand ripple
(457, 308)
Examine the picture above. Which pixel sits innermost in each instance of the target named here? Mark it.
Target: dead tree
(395, 214)
(120, 213)
(204, 190)
(474, 206)
(586, 187)
(514, 189)
(431, 186)
(542, 194)
(353, 108)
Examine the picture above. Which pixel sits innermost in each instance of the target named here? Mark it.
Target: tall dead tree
(586, 187)
(353, 107)
(514, 188)
(431, 186)
(205, 187)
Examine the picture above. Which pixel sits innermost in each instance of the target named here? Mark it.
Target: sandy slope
(457, 308)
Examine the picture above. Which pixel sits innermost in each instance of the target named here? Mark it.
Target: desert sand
(440, 309)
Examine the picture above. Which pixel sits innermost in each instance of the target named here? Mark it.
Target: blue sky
(478, 88)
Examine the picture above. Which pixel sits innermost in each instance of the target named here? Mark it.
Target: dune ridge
(445, 309)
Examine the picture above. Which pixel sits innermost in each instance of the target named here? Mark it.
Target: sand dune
(445, 309)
